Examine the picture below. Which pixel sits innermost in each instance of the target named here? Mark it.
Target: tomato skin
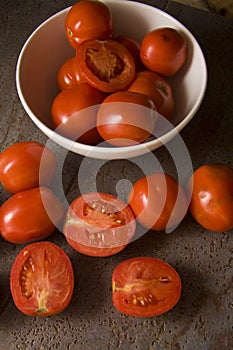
(69, 74)
(99, 224)
(158, 89)
(126, 118)
(30, 215)
(88, 20)
(74, 102)
(25, 165)
(106, 64)
(133, 46)
(145, 287)
(42, 280)
(164, 51)
(153, 201)
(211, 190)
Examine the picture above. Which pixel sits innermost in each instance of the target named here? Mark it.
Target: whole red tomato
(211, 191)
(88, 20)
(145, 287)
(69, 74)
(126, 118)
(158, 89)
(106, 64)
(42, 279)
(164, 51)
(30, 215)
(74, 113)
(25, 165)
(158, 201)
(99, 224)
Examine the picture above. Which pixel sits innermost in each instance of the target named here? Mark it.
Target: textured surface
(203, 317)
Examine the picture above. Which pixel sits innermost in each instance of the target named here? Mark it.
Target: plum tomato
(158, 89)
(88, 20)
(99, 224)
(25, 165)
(74, 112)
(69, 74)
(30, 215)
(126, 118)
(164, 51)
(133, 46)
(158, 201)
(106, 64)
(211, 191)
(42, 279)
(145, 287)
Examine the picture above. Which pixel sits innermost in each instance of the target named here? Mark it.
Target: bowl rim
(113, 152)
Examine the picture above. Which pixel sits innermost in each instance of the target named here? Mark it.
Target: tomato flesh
(42, 279)
(99, 224)
(106, 64)
(145, 287)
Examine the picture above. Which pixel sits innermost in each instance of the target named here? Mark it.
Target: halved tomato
(42, 279)
(106, 64)
(99, 224)
(145, 287)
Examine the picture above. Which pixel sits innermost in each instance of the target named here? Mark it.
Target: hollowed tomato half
(106, 64)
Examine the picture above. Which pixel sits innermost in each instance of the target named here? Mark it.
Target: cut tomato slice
(145, 287)
(106, 64)
(42, 279)
(99, 224)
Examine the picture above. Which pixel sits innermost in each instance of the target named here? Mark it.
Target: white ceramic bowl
(47, 48)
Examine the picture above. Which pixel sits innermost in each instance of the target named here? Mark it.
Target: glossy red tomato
(158, 201)
(30, 215)
(106, 64)
(158, 89)
(25, 165)
(69, 74)
(145, 287)
(164, 51)
(126, 118)
(74, 113)
(211, 190)
(133, 46)
(87, 20)
(42, 279)
(99, 224)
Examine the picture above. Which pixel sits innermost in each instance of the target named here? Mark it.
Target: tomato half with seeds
(158, 201)
(106, 64)
(126, 118)
(211, 191)
(42, 279)
(69, 74)
(74, 112)
(25, 165)
(30, 215)
(87, 20)
(145, 287)
(164, 51)
(158, 89)
(99, 224)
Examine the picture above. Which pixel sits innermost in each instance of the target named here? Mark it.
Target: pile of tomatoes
(105, 69)
(113, 88)
(100, 224)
